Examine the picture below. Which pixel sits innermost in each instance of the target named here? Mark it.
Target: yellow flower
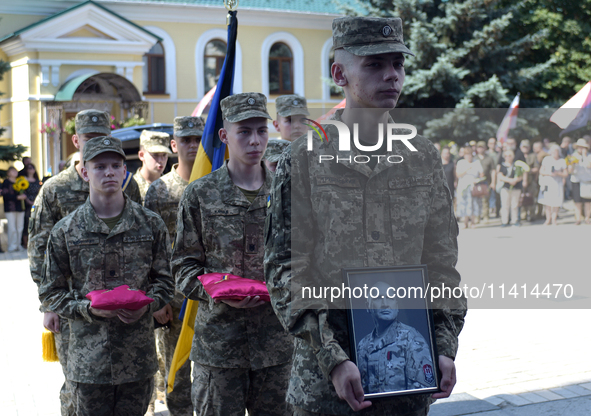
(21, 184)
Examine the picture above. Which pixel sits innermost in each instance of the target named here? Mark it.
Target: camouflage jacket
(219, 230)
(84, 255)
(59, 196)
(142, 184)
(324, 217)
(399, 360)
(163, 198)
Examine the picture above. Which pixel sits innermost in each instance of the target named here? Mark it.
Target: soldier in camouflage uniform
(153, 153)
(107, 242)
(241, 354)
(324, 217)
(58, 197)
(274, 149)
(394, 356)
(291, 110)
(163, 198)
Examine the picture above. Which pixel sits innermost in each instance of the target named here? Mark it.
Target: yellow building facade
(152, 59)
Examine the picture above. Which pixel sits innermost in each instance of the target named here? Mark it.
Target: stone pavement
(519, 362)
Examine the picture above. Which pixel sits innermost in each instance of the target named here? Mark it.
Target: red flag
(509, 121)
(575, 112)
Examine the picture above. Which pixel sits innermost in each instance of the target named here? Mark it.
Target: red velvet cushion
(122, 297)
(228, 286)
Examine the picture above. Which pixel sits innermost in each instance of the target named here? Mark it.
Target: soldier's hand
(247, 302)
(347, 383)
(448, 377)
(102, 312)
(129, 317)
(51, 322)
(164, 315)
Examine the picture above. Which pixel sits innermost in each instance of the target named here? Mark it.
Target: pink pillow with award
(122, 297)
(227, 286)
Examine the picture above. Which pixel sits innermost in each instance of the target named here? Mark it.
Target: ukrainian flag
(210, 156)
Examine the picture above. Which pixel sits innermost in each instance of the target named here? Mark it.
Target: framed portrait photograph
(391, 330)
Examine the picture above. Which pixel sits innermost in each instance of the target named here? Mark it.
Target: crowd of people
(18, 201)
(519, 181)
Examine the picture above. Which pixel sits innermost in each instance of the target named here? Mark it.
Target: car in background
(130, 140)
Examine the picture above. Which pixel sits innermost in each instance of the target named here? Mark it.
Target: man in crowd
(58, 197)
(154, 154)
(23, 172)
(291, 110)
(241, 354)
(324, 217)
(163, 198)
(107, 242)
(489, 169)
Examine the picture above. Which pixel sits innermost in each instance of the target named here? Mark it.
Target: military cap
(243, 106)
(274, 149)
(155, 141)
(292, 104)
(93, 121)
(103, 144)
(365, 36)
(188, 126)
(481, 143)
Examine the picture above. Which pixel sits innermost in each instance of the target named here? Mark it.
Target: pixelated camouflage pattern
(292, 104)
(83, 255)
(395, 361)
(178, 401)
(163, 198)
(59, 196)
(365, 36)
(229, 391)
(274, 149)
(103, 144)
(219, 230)
(124, 399)
(67, 390)
(188, 126)
(405, 208)
(243, 106)
(93, 121)
(155, 141)
(142, 184)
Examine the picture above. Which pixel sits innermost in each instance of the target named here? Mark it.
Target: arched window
(213, 60)
(280, 69)
(154, 71)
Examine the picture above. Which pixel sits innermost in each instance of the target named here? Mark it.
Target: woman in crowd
(31, 194)
(13, 209)
(468, 171)
(580, 172)
(512, 186)
(552, 174)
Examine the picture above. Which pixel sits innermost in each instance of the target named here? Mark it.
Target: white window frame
(169, 60)
(298, 61)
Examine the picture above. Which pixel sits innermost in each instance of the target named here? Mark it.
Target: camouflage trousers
(229, 391)
(377, 408)
(128, 399)
(179, 400)
(61, 344)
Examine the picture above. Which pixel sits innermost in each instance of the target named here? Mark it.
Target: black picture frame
(397, 358)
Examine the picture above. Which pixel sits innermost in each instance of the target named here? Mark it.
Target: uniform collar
(176, 175)
(95, 224)
(389, 337)
(75, 182)
(232, 195)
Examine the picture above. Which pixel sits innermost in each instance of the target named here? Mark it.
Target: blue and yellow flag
(210, 156)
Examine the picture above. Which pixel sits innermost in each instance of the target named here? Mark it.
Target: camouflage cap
(155, 141)
(292, 104)
(274, 149)
(365, 36)
(93, 121)
(188, 126)
(481, 143)
(243, 106)
(103, 144)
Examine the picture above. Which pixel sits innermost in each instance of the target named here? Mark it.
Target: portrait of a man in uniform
(394, 356)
